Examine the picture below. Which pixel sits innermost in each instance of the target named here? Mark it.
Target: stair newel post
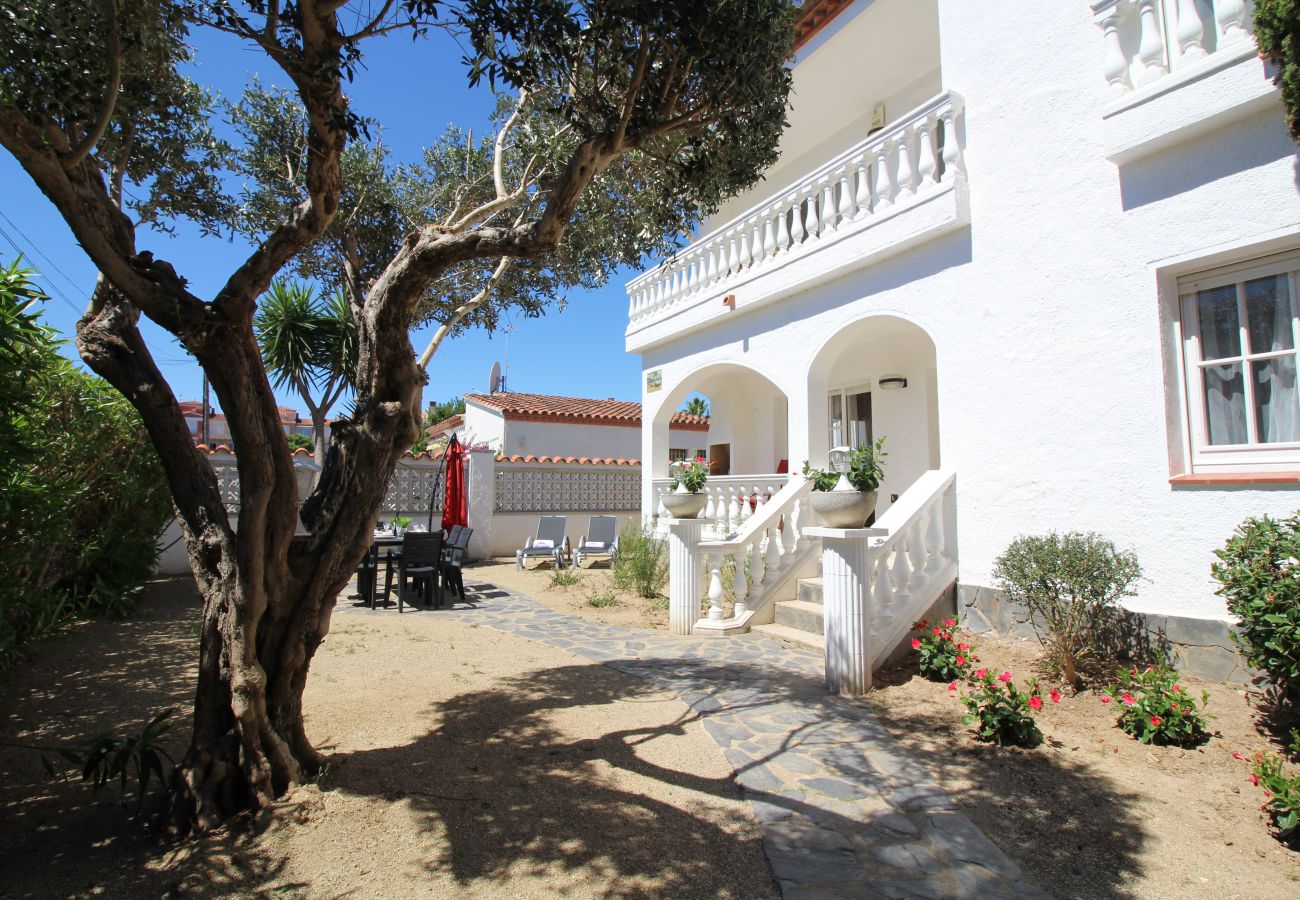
(847, 562)
(684, 573)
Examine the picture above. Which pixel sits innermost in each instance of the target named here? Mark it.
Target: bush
(1259, 570)
(300, 442)
(940, 655)
(1281, 791)
(602, 599)
(1277, 32)
(1071, 584)
(1005, 713)
(562, 577)
(1156, 709)
(642, 561)
(82, 497)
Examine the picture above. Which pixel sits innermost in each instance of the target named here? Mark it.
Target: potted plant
(688, 498)
(400, 524)
(846, 497)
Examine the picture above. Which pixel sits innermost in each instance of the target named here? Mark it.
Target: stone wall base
(1200, 647)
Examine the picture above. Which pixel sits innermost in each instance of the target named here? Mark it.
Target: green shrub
(1003, 712)
(1259, 574)
(562, 577)
(82, 496)
(602, 599)
(1071, 585)
(1277, 32)
(1281, 791)
(300, 442)
(642, 561)
(1156, 709)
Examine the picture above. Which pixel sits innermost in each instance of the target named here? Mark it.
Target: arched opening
(877, 377)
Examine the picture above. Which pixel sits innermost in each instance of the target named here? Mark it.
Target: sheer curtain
(1277, 405)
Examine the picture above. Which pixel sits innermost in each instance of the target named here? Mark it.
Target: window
(1239, 328)
(850, 417)
(676, 455)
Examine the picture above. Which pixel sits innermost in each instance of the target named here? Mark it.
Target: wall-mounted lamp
(892, 382)
(729, 301)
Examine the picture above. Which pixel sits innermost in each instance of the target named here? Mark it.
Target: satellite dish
(494, 378)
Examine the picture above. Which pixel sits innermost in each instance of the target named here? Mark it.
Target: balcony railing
(876, 179)
(1147, 40)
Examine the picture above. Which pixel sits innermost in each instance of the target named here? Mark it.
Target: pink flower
(1005, 677)
(1035, 702)
(1238, 756)
(1253, 779)
(949, 622)
(963, 646)
(1105, 699)
(1127, 699)
(1178, 687)
(946, 636)
(916, 644)
(937, 632)
(952, 685)
(1156, 720)
(982, 674)
(1055, 695)
(961, 660)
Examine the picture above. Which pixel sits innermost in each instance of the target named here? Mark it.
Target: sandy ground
(1092, 812)
(466, 763)
(595, 582)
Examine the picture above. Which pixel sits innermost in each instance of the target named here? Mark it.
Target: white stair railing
(760, 555)
(915, 563)
(732, 500)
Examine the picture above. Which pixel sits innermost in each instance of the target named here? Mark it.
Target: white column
(480, 500)
(1115, 66)
(683, 574)
(1190, 31)
(846, 567)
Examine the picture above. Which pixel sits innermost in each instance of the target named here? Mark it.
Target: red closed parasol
(454, 511)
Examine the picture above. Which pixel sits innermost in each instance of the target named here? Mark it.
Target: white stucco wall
(521, 437)
(1050, 338)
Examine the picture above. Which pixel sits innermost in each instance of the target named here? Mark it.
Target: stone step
(810, 590)
(802, 615)
(793, 636)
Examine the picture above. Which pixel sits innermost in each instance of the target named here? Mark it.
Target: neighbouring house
(1053, 256)
(219, 429)
(544, 425)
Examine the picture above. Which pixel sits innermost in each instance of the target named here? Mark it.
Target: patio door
(850, 416)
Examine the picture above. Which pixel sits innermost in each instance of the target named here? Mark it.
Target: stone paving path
(842, 814)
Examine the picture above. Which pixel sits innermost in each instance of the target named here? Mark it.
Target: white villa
(1051, 252)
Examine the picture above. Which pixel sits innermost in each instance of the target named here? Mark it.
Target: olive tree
(662, 107)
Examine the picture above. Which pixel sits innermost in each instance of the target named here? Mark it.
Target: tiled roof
(569, 460)
(448, 424)
(577, 410)
(813, 16)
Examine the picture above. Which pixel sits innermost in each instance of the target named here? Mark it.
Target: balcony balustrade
(901, 167)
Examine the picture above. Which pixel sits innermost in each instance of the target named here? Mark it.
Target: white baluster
(905, 185)
(827, 207)
(772, 562)
(882, 592)
(740, 586)
(787, 533)
(755, 561)
(746, 254)
(813, 214)
(951, 149)
(916, 547)
(710, 507)
(934, 538)
(1115, 65)
(715, 596)
(1151, 50)
(660, 509)
(925, 155)
(884, 192)
(1191, 31)
(711, 266)
(733, 508)
(900, 574)
(797, 233)
(863, 197)
(1231, 16)
(769, 231)
(846, 197)
(782, 230)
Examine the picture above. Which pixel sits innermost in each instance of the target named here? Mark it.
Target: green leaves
(1156, 709)
(1277, 32)
(1259, 576)
(305, 340)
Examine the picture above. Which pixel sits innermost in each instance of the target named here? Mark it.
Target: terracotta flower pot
(843, 509)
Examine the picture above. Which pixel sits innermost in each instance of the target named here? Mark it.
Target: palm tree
(309, 344)
(697, 406)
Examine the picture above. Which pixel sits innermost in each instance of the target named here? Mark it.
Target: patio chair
(419, 564)
(601, 539)
(453, 557)
(549, 542)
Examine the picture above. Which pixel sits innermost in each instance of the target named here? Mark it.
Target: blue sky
(413, 90)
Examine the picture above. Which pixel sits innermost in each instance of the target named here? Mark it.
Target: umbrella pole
(433, 494)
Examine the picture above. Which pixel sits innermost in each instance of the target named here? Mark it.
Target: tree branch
(464, 310)
(93, 136)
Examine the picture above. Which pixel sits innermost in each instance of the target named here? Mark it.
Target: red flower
(1156, 720)
(1238, 756)
(952, 685)
(1035, 702)
(1127, 699)
(961, 660)
(1253, 779)
(963, 646)
(949, 622)
(946, 636)
(982, 674)
(1173, 709)
(1178, 687)
(919, 626)
(1005, 677)
(1055, 695)
(937, 632)
(916, 644)
(1105, 699)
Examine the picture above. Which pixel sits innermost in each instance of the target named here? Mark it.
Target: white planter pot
(843, 509)
(685, 505)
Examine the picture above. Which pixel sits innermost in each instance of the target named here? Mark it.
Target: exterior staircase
(800, 621)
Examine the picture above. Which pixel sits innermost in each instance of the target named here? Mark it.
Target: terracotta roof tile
(568, 460)
(578, 410)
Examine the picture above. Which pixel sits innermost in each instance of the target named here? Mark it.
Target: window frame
(1252, 456)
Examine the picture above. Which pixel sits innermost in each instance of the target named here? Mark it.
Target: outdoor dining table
(382, 540)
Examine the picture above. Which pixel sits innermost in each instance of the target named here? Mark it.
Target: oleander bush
(1071, 584)
(1259, 576)
(1002, 712)
(940, 655)
(82, 497)
(642, 561)
(1156, 709)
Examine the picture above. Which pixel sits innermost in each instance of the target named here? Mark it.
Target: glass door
(850, 416)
